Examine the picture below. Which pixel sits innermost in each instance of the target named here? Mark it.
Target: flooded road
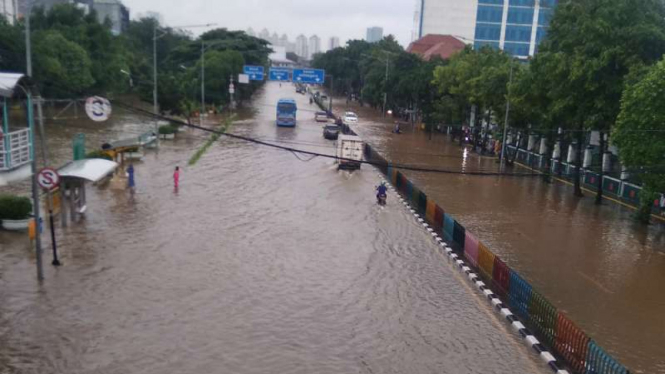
(593, 262)
(260, 263)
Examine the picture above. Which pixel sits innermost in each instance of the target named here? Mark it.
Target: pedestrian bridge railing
(550, 325)
(15, 149)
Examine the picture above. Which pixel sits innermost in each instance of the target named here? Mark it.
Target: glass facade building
(516, 26)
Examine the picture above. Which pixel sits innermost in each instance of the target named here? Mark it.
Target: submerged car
(331, 132)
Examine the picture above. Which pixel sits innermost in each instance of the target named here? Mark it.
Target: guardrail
(15, 149)
(551, 326)
(619, 189)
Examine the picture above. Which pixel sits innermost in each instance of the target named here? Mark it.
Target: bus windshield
(286, 108)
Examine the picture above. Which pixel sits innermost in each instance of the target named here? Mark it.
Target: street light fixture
(154, 57)
(131, 82)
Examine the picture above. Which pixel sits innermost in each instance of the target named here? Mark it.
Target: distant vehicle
(350, 149)
(286, 112)
(321, 117)
(331, 132)
(350, 117)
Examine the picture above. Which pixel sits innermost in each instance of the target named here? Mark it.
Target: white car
(350, 117)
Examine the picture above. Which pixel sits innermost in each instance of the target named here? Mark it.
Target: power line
(300, 151)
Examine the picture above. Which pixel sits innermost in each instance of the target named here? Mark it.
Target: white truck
(349, 152)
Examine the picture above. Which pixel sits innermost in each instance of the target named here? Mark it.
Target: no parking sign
(48, 178)
(98, 108)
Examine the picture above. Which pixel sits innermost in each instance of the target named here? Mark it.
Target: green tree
(640, 135)
(595, 44)
(62, 67)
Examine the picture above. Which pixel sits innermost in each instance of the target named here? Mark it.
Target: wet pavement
(259, 263)
(592, 262)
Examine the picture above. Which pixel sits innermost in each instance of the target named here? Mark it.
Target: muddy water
(593, 262)
(260, 263)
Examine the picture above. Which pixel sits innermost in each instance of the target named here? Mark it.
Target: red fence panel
(571, 343)
(438, 219)
(500, 278)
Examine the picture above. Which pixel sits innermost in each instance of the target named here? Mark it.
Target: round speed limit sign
(48, 178)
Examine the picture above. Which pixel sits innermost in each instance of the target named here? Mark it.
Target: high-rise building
(514, 26)
(283, 40)
(374, 34)
(333, 43)
(301, 46)
(9, 10)
(264, 34)
(250, 32)
(314, 46)
(117, 13)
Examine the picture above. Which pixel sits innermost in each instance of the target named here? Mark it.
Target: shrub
(167, 129)
(15, 207)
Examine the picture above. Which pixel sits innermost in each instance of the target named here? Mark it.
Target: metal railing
(15, 150)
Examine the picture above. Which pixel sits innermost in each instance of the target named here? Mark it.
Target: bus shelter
(73, 177)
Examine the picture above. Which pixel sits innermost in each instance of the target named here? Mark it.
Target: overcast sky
(347, 19)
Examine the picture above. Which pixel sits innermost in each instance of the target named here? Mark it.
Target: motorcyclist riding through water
(381, 192)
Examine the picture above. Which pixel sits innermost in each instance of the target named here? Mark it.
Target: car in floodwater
(331, 132)
(321, 116)
(350, 117)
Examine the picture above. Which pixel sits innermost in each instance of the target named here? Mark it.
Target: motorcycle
(381, 199)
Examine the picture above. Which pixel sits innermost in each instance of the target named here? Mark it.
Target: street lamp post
(505, 122)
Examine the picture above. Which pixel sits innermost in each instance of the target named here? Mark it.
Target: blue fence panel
(448, 228)
(519, 295)
(422, 203)
(459, 234)
(599, 362)
(389, 172)
(408, 191)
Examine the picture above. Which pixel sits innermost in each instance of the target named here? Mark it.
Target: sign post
(255, 73)
(279, 74)
(312, 76)
(48, 179)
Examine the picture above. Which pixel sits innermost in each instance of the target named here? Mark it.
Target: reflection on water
(260, 263)
(593, 262)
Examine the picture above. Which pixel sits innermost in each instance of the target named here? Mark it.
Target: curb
(497, 304)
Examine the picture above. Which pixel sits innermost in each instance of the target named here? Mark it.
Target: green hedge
(167, 129)
(15, 207)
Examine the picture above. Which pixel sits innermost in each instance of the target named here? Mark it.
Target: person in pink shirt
(176, 177)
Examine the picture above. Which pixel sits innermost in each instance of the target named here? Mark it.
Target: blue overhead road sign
(255, 73)
(279, 74)
(316, 76)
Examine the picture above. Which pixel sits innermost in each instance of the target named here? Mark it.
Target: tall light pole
(505, 122)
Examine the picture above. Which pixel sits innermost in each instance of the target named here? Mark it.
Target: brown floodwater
(260, 263)
(605, 271)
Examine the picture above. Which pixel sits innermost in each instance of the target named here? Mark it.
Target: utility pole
(203, 80)
(505, 122)
(49, 196)
(35, 189)
(385, 89)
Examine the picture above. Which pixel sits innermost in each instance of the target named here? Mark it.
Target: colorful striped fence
(551, 326)
(471, 248)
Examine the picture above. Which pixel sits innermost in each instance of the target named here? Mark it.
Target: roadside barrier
(485, 262)
(430, 211)
(448, 227)
(471, 249)
(519, 295)
(571, 343)
(545, 323)
(600, 362)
